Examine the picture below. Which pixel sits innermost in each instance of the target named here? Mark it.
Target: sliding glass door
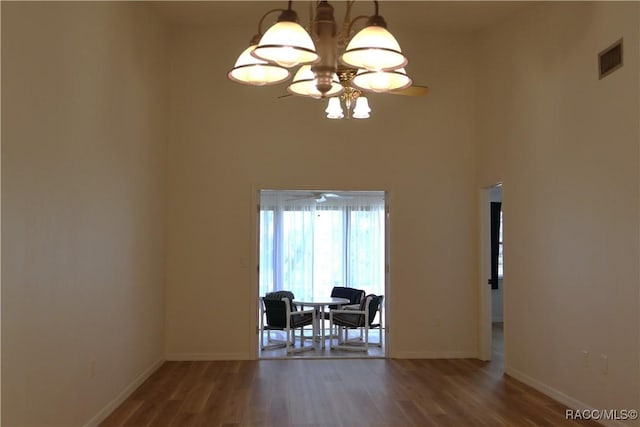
(313, 241)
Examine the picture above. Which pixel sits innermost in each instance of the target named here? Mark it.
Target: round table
(319, 303)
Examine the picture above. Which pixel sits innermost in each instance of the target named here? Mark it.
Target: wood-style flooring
(338, 392)
(326, 352)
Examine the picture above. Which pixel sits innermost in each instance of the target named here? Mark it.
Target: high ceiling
(424, 15)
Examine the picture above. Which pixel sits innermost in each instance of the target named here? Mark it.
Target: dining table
(319, 303)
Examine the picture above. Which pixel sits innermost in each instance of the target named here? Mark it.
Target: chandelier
(333, 64)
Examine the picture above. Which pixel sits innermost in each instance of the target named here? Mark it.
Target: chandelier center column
(324, 34)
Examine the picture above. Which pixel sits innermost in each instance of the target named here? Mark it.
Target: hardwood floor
(339, 392)
(497, 343)
(327, 352)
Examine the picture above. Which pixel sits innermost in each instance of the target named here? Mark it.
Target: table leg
(322, 333)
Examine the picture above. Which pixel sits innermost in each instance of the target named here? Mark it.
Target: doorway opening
(492, 276)
(313, 245)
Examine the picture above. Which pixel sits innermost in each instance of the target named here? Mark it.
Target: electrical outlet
(605, 364)
(585, 358)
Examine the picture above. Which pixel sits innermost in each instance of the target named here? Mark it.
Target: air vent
(610, 59)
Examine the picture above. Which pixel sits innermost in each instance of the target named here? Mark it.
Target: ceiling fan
(319, 197)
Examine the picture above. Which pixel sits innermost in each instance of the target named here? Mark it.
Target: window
(310, 244)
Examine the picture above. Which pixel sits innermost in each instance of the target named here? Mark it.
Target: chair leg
(366, 337)
(331, 328)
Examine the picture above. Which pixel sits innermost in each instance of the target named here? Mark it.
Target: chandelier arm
(350, 27)
(347, 13)
(264, 16)
(343, 36)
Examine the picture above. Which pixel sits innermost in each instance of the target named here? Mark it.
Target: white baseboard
(434, 355)
(561, 397)
(122, 396)
(175, 357)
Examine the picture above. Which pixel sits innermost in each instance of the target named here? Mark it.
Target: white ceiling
(424, 15)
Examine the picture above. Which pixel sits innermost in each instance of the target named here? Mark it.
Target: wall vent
(610, 59)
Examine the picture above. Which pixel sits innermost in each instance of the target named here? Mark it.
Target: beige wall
(565, 144)
(86, 185)
(228, 140)
(83, 206)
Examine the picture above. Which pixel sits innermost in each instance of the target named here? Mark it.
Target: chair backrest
(374, 305)
(276, 309)
(278, 295)
(355, 296)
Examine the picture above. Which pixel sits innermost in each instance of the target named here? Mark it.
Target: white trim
(484, 293)
(123, 395)
(256, 188)
(253, 333)
(555, 394)
(386, 310)
(179, 357)
(453, 354)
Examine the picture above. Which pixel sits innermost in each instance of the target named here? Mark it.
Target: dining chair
(277, 312)
(354, 296)
(363, 319)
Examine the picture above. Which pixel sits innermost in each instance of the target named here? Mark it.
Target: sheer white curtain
(296, 260)
(308, 247)
(366, 245)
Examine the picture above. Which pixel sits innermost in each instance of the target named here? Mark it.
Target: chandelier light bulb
(380, 82)
(287, 57)
(256, 75)
(371, 59)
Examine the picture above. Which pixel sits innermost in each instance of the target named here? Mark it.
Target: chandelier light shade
(374, 48)
(362, 109)
(256, 72)
(334, 109)
(305, 83)
(382, 81)
(287, 44)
